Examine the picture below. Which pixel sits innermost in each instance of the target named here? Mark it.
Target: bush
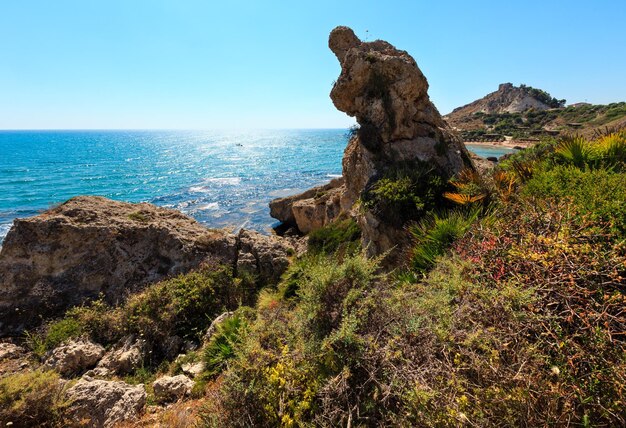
(183, 306)
(434, 235)
(405, 193)
(221, 346)
(33, 398)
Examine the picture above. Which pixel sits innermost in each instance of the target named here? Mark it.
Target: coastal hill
(525, 113)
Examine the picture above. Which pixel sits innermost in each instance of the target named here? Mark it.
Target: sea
(221, 178)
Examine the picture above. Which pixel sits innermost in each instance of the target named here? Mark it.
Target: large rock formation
(384, 89)
(92, 246)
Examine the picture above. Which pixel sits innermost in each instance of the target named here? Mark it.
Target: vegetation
(343, 234)
(32, 398)
(533, 123)
(405, 193)
(510, 312)
(183, 306)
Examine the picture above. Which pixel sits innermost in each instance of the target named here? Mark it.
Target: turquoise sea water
(220, 178)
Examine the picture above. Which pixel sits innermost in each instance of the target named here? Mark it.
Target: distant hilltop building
(579, 105)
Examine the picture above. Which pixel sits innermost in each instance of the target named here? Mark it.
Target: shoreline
(511, 144)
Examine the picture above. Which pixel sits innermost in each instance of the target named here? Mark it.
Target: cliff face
(384, 89)
(92, 246)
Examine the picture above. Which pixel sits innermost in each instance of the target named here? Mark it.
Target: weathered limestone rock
(282, 208)
(387, 93)
(172, 388)
(264, 257)
(193, 369)
(10, 351)
(125, 357)
(75, 357)
(101, 403)
(384, 89)
(92, 246)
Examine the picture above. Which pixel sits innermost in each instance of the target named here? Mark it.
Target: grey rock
(74, 357)
(172, 388)
(101, 403)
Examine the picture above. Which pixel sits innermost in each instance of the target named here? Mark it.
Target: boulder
(10, 351)
(101, 403)
(384, 89)
(193, 369)
(74, 357)
(124, 358)
(172, 388)
(282, 208)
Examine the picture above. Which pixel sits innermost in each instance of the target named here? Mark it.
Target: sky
(234, 64)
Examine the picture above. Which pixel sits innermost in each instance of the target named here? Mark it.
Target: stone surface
(384, 89)
(125, 357)
(193, 369)
(10, 351)
(101, 403)
(282, 208)
(92, 246)
(172, 388)
(263, 257)
(74, 357)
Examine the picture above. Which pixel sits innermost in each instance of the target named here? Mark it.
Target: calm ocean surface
(220, 178)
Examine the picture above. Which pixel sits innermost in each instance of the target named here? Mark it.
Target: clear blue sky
(203, 64)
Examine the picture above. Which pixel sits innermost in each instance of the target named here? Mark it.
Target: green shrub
(342, 234)
(599, 194)
(405, 193)
(221, 346)
(34, 398)
(434, 235)
(183, 306)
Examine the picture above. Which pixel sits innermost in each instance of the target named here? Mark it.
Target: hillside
(526, 113)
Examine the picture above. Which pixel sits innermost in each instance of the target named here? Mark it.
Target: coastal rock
(282, 208)
(384, 89)
(74, 357)
(125, 357)
(263, 257)
(101, 403)
(91, 246)
(172, 388)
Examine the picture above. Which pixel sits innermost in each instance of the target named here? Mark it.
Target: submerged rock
(91, 246)
(384, 89)
(101, 403)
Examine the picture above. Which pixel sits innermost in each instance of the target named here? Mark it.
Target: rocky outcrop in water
(91, 246)
(384, 89)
